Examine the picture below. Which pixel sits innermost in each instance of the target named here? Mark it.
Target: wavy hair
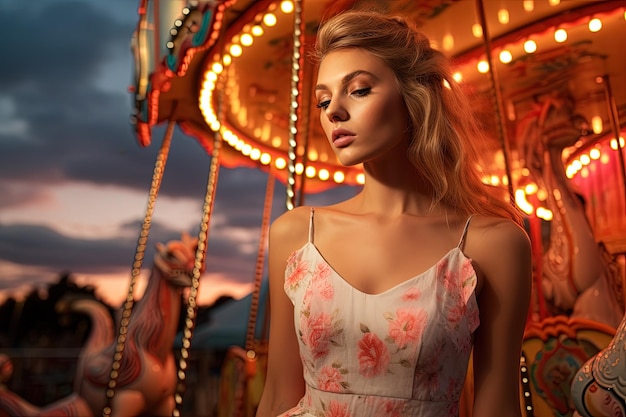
(443, 125)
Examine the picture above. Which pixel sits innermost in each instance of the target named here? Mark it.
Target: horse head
(559, 125)
(176, 260)
(551, 126)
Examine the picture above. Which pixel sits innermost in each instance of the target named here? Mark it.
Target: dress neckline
(345, 282)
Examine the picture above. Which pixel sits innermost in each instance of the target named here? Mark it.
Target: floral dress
(400, 353)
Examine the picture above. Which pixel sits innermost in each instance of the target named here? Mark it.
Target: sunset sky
(73, 180)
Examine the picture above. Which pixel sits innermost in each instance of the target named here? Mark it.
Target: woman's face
(361, 109)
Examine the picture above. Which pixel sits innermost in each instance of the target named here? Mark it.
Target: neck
(396, 189)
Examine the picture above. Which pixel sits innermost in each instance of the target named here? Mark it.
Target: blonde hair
(443, 125)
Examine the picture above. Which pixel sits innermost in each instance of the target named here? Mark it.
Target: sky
(74, 181)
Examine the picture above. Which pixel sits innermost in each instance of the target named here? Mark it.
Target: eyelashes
(323, 104)
(360, 92)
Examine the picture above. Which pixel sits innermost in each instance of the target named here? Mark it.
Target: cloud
(64, 122)
(58, 46)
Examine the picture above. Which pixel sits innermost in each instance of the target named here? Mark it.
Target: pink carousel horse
(576, 287)
(577, 279)
(147, 373)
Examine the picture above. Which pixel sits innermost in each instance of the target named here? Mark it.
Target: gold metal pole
(157, 177)
(497, 97)
(614, 118)
(296, 71)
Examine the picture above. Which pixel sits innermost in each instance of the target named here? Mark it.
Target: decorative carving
(599, 386)
(576, 279)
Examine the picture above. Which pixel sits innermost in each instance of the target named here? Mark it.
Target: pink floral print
(296, 271)
(408, 352)
(407, 326)
(373, 356)
(335, 409)
(381, 406)
(317, 330)
(320, 283)
(331, 378)
(412, 294)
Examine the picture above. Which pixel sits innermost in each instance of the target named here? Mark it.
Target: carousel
(548, 83)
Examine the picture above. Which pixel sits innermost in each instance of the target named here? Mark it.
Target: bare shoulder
(501, 250)
(290, 230)
(496, 234)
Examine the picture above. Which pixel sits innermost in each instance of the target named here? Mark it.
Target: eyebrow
(345, 80)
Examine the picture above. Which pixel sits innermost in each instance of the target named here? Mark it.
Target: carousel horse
(147, 374)
(577, 279)
(599, 386)
(574, 277)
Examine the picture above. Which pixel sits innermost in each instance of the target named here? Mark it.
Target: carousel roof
(228, 67)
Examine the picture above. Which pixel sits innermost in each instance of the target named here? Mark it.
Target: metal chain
(157, 176)
(297, 62)
(192, 306)
(258, 277)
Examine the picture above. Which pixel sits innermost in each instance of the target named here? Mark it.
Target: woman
(388, 291)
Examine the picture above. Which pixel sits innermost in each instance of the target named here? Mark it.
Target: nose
(336, 112)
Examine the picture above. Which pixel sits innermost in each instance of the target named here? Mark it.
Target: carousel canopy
(228, 67)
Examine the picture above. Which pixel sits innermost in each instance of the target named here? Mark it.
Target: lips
(342, 137)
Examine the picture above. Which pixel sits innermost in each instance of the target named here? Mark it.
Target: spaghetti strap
(311, 225)
(462, 240)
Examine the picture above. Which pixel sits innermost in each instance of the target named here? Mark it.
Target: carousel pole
(305, 121)
(258, 272)
(157, 177)
(297, 62)
(497, 97)
(614, 118)
(203, 235)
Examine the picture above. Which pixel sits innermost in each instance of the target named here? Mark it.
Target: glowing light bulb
(235, 50)
(280, 163)
(597, 125)
(560, 35)
(286, 6)
(448, 42)
(482, 66)
(339, 177)
(457, 76)
(529, 5)
(595, 25)
(257, 30)
(217, 68)
(269, 19)
(530, 46)
(246, 39)
(503, 16)
(505, 56)
(266, 158)
(477, 30)
(595, 153)
(522, 203)
(531, 188)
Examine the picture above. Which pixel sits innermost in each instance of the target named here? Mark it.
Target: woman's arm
(503, 256)
(284, 385)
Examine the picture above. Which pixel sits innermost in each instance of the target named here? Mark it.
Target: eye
(323, 104)
(362, 92)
